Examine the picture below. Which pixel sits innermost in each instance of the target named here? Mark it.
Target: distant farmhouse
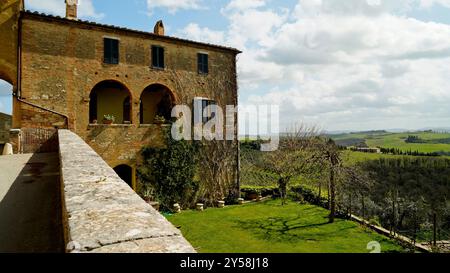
(79, 75)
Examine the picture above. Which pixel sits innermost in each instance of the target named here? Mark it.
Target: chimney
(71, 9)
(159, 28)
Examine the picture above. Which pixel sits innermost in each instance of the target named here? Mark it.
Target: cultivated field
(432, 142)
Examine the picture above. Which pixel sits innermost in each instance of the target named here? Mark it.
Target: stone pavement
(30, 206)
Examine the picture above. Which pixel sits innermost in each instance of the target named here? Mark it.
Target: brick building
(69, 73)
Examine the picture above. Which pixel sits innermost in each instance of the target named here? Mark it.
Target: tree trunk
(415, 231)
(282, 185)
(329, 195)
(332, 197)
(320, 191)
(350, 210)
(363, 207)
(434, 229)
(393, 218)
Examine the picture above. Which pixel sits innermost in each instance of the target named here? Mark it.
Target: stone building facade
(71, 73)
(5, 126)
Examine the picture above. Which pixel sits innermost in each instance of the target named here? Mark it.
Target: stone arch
(110, 97)
(125, 172)
(156, 100)
(5, 77)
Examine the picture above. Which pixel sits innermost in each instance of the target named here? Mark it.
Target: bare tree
(327, 154)
(291, 159)
(355, 183)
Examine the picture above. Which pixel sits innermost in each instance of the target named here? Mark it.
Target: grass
(268, 227)
(398, 141)
(351, 157)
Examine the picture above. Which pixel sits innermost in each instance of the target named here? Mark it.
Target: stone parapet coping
(101, 213)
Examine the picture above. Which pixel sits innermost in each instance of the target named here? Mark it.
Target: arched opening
(156, 101)
(6, 90)
(112, 99)
(125, 172)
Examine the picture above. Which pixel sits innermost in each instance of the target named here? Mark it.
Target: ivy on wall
(170, 171)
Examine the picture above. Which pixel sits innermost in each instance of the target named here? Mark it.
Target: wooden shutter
(115, 51)
(202, 60)
(107, 50)
(157, 56)
(111, 51)
(161, 57)
(205, 64)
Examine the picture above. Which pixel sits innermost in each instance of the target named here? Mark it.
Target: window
(111, 51)
(203, 63)
(157, 57)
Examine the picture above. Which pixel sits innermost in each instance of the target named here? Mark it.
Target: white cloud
(430, 3)
(86, 8)
(244, 4)
(358, 64)
(197, 33)
(174, 5)
(352, 7)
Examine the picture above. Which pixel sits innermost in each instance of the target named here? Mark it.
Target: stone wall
(101, 213)
(5, 125)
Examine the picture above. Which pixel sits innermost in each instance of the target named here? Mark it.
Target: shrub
(246, 191)
(307, 195)
(170, 171)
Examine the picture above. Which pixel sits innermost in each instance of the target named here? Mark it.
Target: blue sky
(354, 64)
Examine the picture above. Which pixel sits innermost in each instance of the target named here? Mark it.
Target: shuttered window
(203, 63)
(111, 51)
(157, 57)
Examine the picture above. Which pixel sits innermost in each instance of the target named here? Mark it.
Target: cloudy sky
(341, 64)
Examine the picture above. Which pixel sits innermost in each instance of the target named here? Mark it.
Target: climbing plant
(170, 171)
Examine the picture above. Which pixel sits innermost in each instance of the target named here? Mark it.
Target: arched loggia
(110, 98)
(156, 100)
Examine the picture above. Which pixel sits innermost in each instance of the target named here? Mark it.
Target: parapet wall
(101, 213)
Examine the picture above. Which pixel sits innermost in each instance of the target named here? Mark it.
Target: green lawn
(268, 227)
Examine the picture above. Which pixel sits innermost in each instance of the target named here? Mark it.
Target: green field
(355, 157)
(438, 141)
(268, 227)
